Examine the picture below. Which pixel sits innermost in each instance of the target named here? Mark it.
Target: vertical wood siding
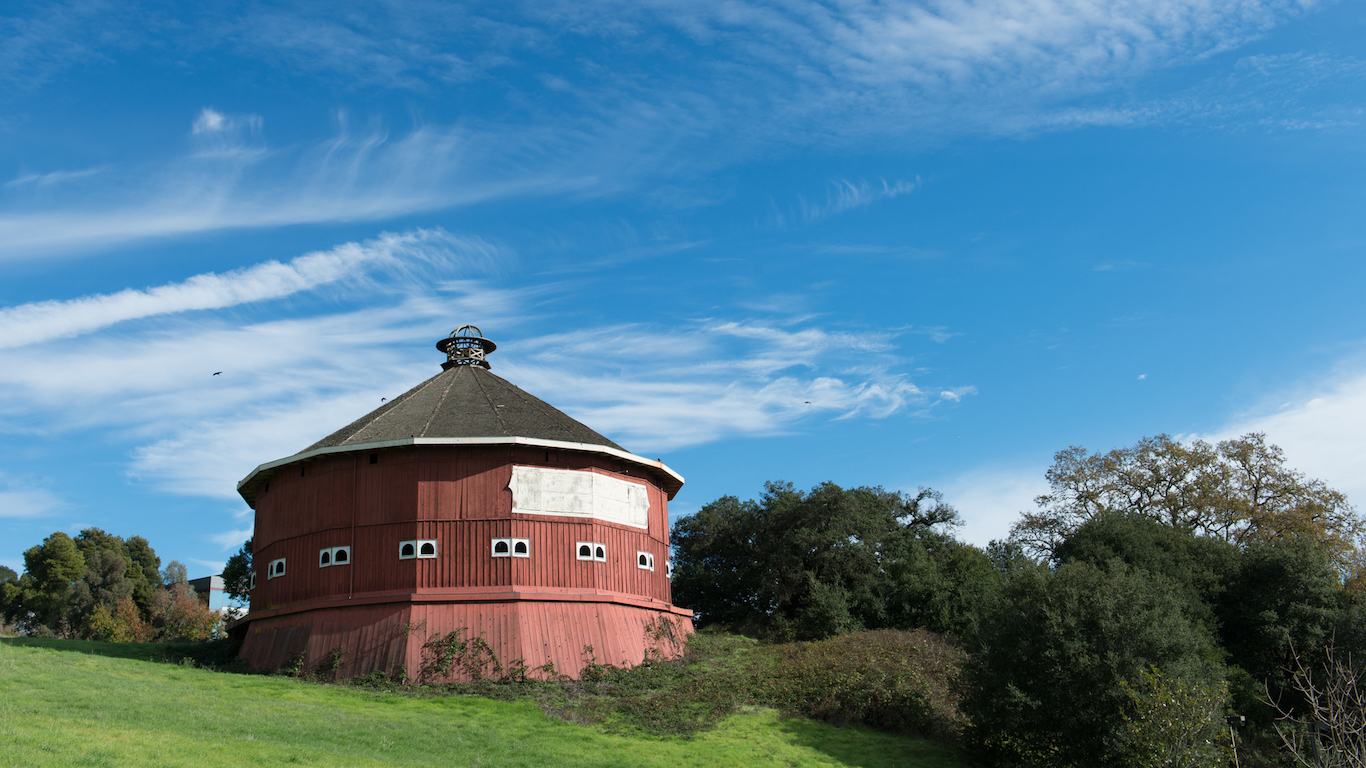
(459, 497)
(389, 637)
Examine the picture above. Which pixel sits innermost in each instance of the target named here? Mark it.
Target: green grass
(71, 703)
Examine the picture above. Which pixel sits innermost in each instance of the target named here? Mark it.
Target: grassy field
(73, 703)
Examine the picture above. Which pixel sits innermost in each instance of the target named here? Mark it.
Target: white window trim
(578, 550)
(527, 542)
(270, 570)
(493, 547)
(402, 544)
(435, 549)
(649, 564)
(252, 583)
(331, 553)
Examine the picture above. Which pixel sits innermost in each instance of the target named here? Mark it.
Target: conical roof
(463, 405)
(463, 401)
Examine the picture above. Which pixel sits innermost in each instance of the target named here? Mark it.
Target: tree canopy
(102, 586)
(812, 564)
(1239, 490)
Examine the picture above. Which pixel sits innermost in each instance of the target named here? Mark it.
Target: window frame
(493, 547)
(649, 558)
(284, 568)
(331, 553)
(594, 547)
(526, 543)
(436, 550)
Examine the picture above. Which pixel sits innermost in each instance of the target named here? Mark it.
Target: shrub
(1174, 724)
(184, 618)
(122, 625)
(905, 682)
(1044, 679)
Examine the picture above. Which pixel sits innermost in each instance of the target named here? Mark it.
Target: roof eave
(247, 487)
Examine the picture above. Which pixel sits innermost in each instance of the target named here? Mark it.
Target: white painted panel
(576, 493)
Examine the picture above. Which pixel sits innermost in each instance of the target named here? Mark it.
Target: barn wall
(459, 497)
(390, 637)
(456, 495)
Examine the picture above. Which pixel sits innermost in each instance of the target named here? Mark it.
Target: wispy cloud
(657, 391)
(142, 371)
(228, 540)
(846, 195)
(42, 321)
(54, 177)
(20, 498)
(232, 179)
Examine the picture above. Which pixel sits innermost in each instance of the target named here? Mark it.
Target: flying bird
(382, 399)
(219, 372)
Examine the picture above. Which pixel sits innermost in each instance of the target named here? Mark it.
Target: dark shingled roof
(464, 401)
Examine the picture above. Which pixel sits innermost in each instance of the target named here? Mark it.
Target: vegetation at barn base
(66, 707)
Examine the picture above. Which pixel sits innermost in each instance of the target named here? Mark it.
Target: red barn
(463, 504)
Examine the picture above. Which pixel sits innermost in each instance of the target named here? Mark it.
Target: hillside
(83, 703)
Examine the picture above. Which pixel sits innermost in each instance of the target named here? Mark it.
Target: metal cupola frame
(466, 346)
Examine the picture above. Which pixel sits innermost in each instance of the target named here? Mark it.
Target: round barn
(465, 504)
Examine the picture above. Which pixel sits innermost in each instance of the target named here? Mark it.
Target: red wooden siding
(459, 497)
(387, 637)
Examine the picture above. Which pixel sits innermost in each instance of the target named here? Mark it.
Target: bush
(122, 625)
(1044, 680)
(905, 682)
(184, 618)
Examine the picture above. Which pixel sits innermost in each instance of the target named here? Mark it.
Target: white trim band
(533, 442)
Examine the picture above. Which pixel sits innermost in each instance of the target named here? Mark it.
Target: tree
(1240, 491)
(1329, 726)
(144, 571)
(105, 583)
(7, 575)
(808, 565)
(1052, 649)
(1283, 595)
(52, 567)
(175, 573)
(183, 617)
(237, 575)
(1199, 567)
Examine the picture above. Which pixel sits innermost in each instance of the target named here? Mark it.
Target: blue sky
(896, 243)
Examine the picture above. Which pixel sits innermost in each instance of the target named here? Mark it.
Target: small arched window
(521, 548)
(324, 558)
(645, 560)
(407, 550)
(276, 568)
(585, 551)
(252, 584)
(600, 553)
(426, 549)
(342, 555)
(502, 547)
